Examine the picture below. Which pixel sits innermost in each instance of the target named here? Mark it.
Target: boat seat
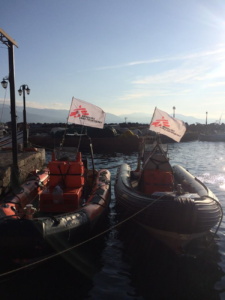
(68, 201)
(156, 181)
(70, 173)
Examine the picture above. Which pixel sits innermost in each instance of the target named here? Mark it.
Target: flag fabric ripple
(86, 114)
(165, 124)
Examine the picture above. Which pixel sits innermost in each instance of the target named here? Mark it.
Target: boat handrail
(69, 152)
(199, 181)
(153, 157)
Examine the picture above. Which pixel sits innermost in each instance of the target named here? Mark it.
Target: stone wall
(27, 162)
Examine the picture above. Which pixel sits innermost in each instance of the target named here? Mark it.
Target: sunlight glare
(218, 180)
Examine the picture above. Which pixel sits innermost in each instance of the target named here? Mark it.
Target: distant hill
(36, 115)
(146, 118)
(110, 118)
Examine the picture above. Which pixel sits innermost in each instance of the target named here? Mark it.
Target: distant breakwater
(101, 144)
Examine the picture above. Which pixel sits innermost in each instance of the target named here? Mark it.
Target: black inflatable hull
(180, 217)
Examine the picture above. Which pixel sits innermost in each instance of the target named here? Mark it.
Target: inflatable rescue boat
(56, 206)
(171, 203)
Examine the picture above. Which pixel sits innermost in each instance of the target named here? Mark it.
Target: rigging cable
(3, 104)
(80, 138)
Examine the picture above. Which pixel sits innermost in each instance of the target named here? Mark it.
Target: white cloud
(6, 101)
(129, 64)
(215, 52)
(184, 79)
(192, 75)
(33, 104)
(47, 106)
(179, 75)
(58, 105)
(133, 95)
(214, 84)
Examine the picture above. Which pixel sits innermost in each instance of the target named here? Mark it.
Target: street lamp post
(10, 43)
(24, 88)
(174, 111)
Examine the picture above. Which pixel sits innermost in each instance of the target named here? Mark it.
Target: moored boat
(212, 137)
(56, 205)
(168, 201)
(110, 144)
(6, 141)
(55, 208)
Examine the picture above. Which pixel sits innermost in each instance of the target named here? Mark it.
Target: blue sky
(124, 56)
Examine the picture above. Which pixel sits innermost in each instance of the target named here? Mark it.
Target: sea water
(127, 263)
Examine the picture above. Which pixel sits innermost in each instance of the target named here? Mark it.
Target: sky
(125, 56)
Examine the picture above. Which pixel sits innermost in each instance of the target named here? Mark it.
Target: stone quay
(27, 163)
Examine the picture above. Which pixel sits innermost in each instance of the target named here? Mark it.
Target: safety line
(80, 244)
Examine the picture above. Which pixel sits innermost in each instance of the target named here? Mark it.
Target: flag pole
(80, 138)
(157, 133)
(153, 115)
(92, 157)
(91, 147)
(92, 115)
(63, 139)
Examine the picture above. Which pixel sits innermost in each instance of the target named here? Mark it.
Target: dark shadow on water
(67, 276)
(126, 262)
(158, 273)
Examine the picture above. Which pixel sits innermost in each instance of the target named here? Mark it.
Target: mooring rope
(80, 244)
(214, 234)
(221, 218)
(102, 233)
